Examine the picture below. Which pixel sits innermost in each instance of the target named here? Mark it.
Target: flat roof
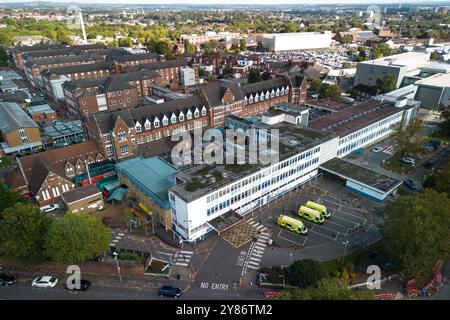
(199, 180)
(155, 175)
(80, 193)
(327, 104)
(360, 174)
(439, 80)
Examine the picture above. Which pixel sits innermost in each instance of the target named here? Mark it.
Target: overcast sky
(247, 2)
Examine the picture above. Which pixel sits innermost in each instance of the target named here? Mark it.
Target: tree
(22, 232)
(415, 232)
(328, 289)
(346, 39)
(306, 273)
(242, 45)
(381, 50)
(8, 199)
(408, 137)
(254, 76)
(315, 85)
(126, 218)
(440, 182)
(3, 57)
(444, 126)
(327, 91)
(188, 47)
(125, 42)
(76, 238)
(387, 83)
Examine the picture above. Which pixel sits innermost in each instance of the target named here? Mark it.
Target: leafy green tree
(381, 50)
(3, 57)
(76, 238)
(125, 42)
(408, 138)
(328, 289)
(253, 76)
(387, 83)
(415, 232)
(306, 273)
(315, 85)
(242, 45)
(346, 39)
(22, 232)
(8, 199)
(444, 126)
(188, 48)
(440, 181)
(327, 91)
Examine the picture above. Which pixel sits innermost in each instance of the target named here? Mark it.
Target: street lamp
(117, 263)
(290, 255)
(345, 243)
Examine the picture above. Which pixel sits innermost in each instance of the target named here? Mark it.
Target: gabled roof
(264, 85)
(37, 166)
(13, 117)
(135, 57)
(215, 92)
(181, 62)
(87, 67)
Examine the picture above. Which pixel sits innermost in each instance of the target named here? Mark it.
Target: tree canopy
(415, 232)
(8, 199)
(306, 273)
(76, 237)
(22, 231)
(254, 76)
(408, 137)
(387, 83)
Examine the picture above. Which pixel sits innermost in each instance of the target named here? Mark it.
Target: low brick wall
(126, 268)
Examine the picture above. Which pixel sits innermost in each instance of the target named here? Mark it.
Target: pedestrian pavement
(257, 248)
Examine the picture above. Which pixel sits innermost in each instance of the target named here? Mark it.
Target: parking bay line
(337, 217)
(323, 235)
(347, 213)
(297, 243)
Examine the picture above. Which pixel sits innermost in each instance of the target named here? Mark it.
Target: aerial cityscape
(235, 150)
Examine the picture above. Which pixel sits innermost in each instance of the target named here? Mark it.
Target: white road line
(325, 235)
(265, 234)
(253, 263)
(358, 217)
(259, 227)
(187, 252)
(260, 247)
(263, 229)
(253, 223)
(354, 223)
(255, 259)
(253, 267)
(263, 237)
(182, 264)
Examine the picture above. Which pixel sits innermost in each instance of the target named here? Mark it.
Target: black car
(411, 184)
(84, 285)
(169, 291)
(7, 280)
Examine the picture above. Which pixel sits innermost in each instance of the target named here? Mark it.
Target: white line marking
(253, 267)
(253, 263)
(255, 259)
(182, 264)
(187, 252)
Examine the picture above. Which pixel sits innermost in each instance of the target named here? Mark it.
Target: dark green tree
(242, 45)
(387, 83)
(415, 232)
(23, 228)
(3, 57)
(8, 199)
(254, 76)
(76, 238)
(306, 273)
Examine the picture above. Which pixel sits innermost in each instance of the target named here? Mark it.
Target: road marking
(256, 254)
(259, 227)
(255, 259)
(253, 262)
(265, 233)
(181, 264)
(253, 267)
(260, 247)
(187, 252)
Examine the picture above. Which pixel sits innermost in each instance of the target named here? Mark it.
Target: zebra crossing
(116, 239)
(390, 150)
(257, 248)
(182, 258)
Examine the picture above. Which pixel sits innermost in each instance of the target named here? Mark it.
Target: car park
(377, 149)
(44, 282)
(411, 184)
(50, 208)
(7, 280)
(169, 291)
(84, 286)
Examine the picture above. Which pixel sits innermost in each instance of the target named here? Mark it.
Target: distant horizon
(235, 2)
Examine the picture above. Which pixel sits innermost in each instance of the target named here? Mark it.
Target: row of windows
(363, 141)
(262, 174)
(114, 102)
(165, 121)
(119, 92)
(267, 95)
(241, 196)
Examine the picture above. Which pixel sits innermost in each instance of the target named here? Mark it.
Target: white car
(409, 160)
(44, 282)
(50, 208)
(377, 149)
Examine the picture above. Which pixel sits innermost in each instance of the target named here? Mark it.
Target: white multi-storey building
(296, 41)
(204, 193)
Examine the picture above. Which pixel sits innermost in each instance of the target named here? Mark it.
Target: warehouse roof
(14, 117)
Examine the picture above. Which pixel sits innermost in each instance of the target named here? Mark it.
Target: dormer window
(156, 123)
(245, 100)
(147, 125)
(256, 98)
(250, 100)
(173, 119)
(204, 111)
(272, 94)
(181, 117)
(277, 93)
(189, 115)
(267, 95)
(138, 127)
(196, 113)
(261, 97)
(165, 122)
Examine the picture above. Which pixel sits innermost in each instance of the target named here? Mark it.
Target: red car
(27, 196)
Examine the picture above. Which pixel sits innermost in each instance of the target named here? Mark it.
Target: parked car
(377, 149)
(169, 291)
(411, 184)
(409, 160)
(27, 196)
(7, 280)
(44, 282)
(50, 208)
(84, 286)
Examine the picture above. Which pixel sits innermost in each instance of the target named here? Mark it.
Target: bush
(306, 273)
(125, 255)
